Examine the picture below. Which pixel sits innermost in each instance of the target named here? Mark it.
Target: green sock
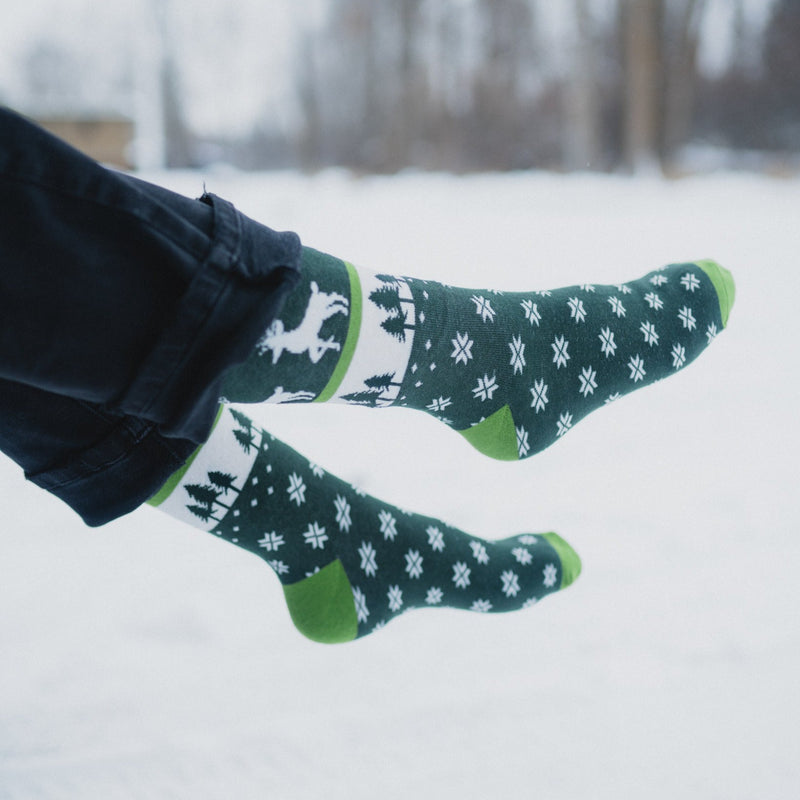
(348, 562)
(511, 371)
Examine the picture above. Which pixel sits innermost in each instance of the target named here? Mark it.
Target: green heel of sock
(723, 284)
(496, 436)
(322, 606)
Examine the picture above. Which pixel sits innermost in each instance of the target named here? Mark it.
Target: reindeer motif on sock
(305, 338)
(281, 395)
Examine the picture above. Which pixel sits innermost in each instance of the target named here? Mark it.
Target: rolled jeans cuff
(117, 474)
(234, 295)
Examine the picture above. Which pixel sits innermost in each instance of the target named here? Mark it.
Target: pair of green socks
(510, 371)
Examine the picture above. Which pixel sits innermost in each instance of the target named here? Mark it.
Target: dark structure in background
(106, 138)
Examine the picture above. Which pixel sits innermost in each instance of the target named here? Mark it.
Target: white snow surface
(148, 660)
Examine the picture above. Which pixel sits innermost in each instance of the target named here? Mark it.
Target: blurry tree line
(460, 86)
(382, 85)
(755, 104)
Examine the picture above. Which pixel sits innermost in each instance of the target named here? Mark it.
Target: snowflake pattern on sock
(258, 493)
(552, 357)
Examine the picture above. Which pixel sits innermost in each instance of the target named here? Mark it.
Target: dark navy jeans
(121, 307)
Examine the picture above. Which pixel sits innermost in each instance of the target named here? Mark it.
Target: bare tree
(410, 85)
(640, 26)
(681, 32)
(307, 88)
(346, 95)
(782, 68)
(501, 121)
(660, 45)
(582, 106)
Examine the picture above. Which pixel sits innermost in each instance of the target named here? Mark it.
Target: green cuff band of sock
(322, 606)
(169, 486)
(724, 285)
(570, 561)
(349, 347)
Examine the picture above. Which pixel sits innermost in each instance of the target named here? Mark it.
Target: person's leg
(122, 294)
(101, 463)
(349, 562)
(511, 371)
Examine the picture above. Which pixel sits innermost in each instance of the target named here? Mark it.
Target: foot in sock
(511, 371)
(348, 562)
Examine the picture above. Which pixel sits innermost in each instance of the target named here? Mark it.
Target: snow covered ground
(147, 660)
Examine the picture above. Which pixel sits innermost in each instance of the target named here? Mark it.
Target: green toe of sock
(322, 606)
(570, 560)
(723, 283)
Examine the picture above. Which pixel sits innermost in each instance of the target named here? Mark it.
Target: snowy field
(147, 660)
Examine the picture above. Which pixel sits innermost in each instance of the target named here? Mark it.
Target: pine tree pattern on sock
(349, 563)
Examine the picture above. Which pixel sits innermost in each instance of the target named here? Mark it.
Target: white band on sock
(384, 342)
(219, 454)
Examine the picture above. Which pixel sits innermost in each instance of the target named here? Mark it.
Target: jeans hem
(117, 474)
